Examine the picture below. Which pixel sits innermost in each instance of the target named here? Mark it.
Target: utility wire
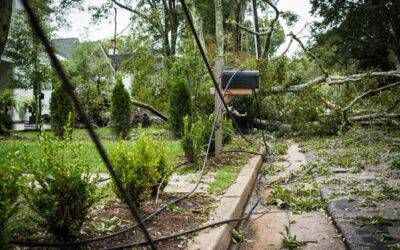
(210, 72)
(69, 88)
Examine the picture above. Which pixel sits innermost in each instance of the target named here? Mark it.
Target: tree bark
(219, 29)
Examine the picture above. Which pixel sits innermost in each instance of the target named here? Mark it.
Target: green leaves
(62, 113)
(121, 110)
(62, 190)
(142, 168)
(298, 199)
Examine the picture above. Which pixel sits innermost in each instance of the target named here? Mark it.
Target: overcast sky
(82, 27)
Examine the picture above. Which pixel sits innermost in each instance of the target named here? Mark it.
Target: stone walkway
(269, 221)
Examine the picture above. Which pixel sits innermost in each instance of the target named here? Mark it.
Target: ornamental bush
(192, 139)
(62, 191)
(180, 105)
(7, 101)
(141, 168)
(62, 113)
(9, 192)
(121, 110)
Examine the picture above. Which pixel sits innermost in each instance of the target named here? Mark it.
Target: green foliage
(191, 140)
(291, 242)
(205, 130)
(180, 105)
(10, 189)
(7, 101)
(90, 71)
(62, 191)
(371, 43)
(142, 167)
(61, 111)
(298, 199)
(121, 110)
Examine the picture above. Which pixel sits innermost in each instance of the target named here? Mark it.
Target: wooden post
(218, 112)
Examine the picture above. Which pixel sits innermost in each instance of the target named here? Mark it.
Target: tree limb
(310, 54)
(334, 80)
(369, 92)
(271, 28)
(250, 30)
(150, 108)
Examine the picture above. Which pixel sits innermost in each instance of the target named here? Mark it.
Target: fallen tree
(150, 108)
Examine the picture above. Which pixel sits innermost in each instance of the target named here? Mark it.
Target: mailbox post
(240, 83)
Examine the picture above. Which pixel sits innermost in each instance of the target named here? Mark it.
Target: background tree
(24, 48)
(367, 31)
(5, 18)
(121, 110)
(180, 105)
(62, 113)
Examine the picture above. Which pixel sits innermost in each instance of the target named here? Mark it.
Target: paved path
(265, 232)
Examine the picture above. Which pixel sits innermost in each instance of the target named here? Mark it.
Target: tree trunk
(5, 18)
(198, 24)
(219, 29)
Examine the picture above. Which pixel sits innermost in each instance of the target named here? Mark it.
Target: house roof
(119, 58)
(65, 47)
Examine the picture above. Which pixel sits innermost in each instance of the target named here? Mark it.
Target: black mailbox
(244, 79)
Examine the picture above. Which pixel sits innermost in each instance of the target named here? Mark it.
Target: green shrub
(61, 111)
(7, 101)
(142, 167)
(191, 140)
(9, 191)
(180, 105)
(61, 192)
(228, 131)
(121, 110)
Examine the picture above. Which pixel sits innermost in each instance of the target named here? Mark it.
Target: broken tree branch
(310, 54)
(271, 29)
(334, 80)
(150, 108)
(250, 30)
(369, 92)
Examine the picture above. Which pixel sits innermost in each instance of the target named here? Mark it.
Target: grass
(80, 138)
(224, 177)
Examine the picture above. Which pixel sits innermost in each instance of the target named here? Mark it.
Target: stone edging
(232, 205)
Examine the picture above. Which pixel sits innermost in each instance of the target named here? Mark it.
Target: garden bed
(112, 216)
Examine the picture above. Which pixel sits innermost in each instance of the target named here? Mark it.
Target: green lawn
(29, 140)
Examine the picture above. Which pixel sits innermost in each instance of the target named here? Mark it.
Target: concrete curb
(232, 205)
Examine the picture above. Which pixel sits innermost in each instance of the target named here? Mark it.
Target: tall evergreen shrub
(62, 112)
(121, 110)
(7, 101)
(180, 105)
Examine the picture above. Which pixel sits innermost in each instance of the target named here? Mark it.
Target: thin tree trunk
(5, 18)
(219, 29)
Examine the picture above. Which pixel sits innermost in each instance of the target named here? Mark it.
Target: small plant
(61, 111)
(7, 101)
(238, 236)
(121, 110)
(291, 242)
(282, 148)
(142, 168)
(61, 192)
(395, 163)
(180, 105)
(376, 220)
(383, 237)
(9, 192)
